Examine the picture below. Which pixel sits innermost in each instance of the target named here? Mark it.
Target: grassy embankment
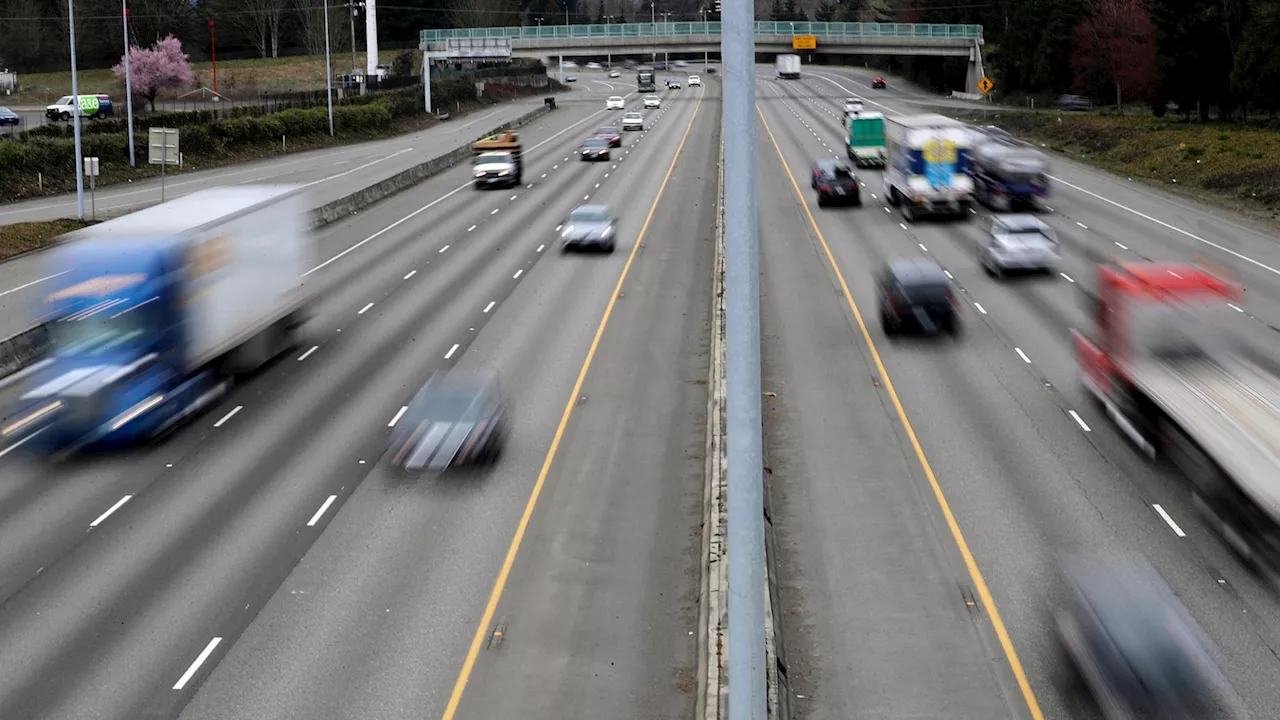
(22, 238)
(1235, 165)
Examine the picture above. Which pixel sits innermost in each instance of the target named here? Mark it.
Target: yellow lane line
(499, 585)
(974, 573)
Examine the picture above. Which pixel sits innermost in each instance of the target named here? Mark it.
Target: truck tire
(894, 198)
(65, 116)
(908, 212)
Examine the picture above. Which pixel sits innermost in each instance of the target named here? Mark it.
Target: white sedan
(652, 101)
(695, 80)
(615, 103)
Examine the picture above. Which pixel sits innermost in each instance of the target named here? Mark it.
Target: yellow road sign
(985, 85)
(804, 42)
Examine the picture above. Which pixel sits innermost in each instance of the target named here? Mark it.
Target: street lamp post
(328, 67)
(213, 53)
(666, 53)
(75, 103)
(653, 20)
(128, 81)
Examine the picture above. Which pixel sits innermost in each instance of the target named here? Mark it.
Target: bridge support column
(975, 71)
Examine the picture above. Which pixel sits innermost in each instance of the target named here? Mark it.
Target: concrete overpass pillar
(975, 71)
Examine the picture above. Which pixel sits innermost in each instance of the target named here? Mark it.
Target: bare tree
(260, 20)
(483, 13)
(311, 19)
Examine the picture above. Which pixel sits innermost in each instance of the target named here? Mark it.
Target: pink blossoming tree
(150, 71)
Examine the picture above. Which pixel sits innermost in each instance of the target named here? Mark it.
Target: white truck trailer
(927, 169)
(789, 67)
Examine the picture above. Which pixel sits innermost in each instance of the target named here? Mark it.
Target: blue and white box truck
(153, 315)
(927, 170)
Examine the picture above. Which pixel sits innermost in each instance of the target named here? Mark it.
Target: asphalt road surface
(878, 617)
(329, 175)
(272, 534)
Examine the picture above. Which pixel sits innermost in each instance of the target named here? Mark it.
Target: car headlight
(479, 174)
(504, 173)
(566, 232)
(607, 232)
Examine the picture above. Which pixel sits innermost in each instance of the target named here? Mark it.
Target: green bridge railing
(680, 29)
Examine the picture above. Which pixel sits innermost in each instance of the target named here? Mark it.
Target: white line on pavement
(110, 510)
(186, 676)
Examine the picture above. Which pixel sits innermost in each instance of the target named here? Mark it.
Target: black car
(916, 295)
(835, 181)
(9, 117)
(879, 84)
(1134, 647)
(595, 148)
(456, 419)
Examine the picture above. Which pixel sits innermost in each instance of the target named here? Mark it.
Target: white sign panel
(478, 48)
(91, 166)
(163, 146)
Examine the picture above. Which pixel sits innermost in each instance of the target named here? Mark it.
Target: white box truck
(789, 67)
(152, 315)
(927, 168)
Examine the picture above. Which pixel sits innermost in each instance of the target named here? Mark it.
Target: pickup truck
(498, 161)
(152, 316)
(1180, 383)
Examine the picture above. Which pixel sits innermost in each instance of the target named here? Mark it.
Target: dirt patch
(25, 237)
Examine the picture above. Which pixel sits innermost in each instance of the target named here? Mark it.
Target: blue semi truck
(152, 317)
(1007, 172)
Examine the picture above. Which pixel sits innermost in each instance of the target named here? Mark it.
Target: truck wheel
(894, 198)
(65, 116)
(908, 212)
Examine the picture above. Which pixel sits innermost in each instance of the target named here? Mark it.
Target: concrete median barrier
(29, 346)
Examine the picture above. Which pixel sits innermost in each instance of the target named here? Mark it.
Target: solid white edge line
(1079, 420)
(1022, 355)
(112, 509)
(228, 416)
(489, 307)
(307, 354)
(1235, 307)
(33, 282)
(399, 414)
(452, 350)
(195, 666)
(20, 443)
(1176, 530)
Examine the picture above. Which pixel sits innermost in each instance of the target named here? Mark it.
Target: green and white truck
(866, 138)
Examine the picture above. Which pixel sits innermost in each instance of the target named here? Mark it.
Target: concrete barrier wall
(29, 346)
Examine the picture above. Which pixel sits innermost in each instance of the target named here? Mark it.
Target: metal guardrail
(679, 29)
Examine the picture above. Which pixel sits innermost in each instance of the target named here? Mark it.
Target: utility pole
(355, 10)
(653, 20)
(128, 81)
(745, 461)
(328, 67)
(75, 102)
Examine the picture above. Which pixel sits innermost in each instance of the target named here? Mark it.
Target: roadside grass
(1236, 164)
(284, 74)
(25, 237)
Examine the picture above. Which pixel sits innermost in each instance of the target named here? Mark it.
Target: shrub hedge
(50, 149)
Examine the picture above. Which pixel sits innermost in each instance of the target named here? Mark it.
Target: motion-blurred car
(9, 117)
(594, 66)
(1018, 243)
(915, 294)
(614, 74)
(673, 84)
(1135, 646)
(852, 105)
(879, 84)
(681, 63)
(633, 121)
(652, 102)
(610, 133)
(1078, 103)
(594, 148)
(615, 103)
(695, 81)
(456, 419)
(589, 226)
(495, 168)
(835, 181)
(571, 78)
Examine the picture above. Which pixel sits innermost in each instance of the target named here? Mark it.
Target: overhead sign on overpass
(485, 47)
(804, 42)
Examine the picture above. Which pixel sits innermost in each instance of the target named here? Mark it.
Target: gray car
(459, 418)
(589, 226)
(1019, 243)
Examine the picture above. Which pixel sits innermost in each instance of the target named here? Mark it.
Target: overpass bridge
(639, 39)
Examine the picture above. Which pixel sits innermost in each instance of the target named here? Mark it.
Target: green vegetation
(25, 237)
(1235, 162)
(40, 161)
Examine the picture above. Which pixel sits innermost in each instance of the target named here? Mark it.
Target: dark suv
(916, 295)
(835, 180)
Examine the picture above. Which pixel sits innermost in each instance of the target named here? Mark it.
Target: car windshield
(926, 293)
(608, 130)
(634, 116)
(615, 98)
(651, 97)
(1027, 238)
(64, 100)
(451, 403)
(490, 158)
(595, 142)
(99, 332)
(589, 215)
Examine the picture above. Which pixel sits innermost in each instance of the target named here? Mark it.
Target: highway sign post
(985, 85)
(162, 146)
(91, 170)
(804, 42)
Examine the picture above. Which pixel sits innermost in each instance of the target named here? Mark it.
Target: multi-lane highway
(876, 446)
(265, 562)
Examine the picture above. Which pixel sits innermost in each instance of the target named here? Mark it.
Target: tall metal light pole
(128, 81)
(213, 52)
(355, 10)
(653, 20)
(328, 68)
(75, 102)
(666, 53)
(747, 695)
